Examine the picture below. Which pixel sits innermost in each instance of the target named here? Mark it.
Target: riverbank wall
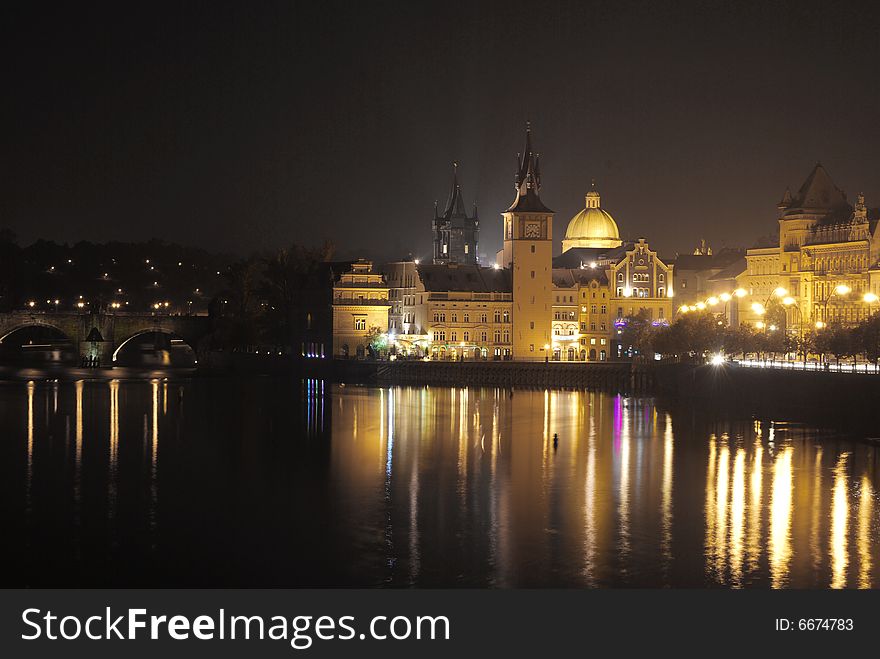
(610, 376)
(835, 399)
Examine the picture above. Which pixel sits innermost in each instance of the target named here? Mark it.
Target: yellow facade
(823, 265)
(360, 307)
(528, 252)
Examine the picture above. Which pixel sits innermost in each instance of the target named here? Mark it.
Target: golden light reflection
(666, 495)
(623, 511)
(737, 517)
(30, 442)
(721, 493)
(753, 535)
(815, 516)
(114, 445)
(154, 452)
(711, 516)
(866, 507)
(590, 508)
(839, 519)
(780, 519)
(78, 442)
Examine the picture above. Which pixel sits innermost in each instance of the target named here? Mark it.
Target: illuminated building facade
(528, 254)
(360, 308)
(611, 279)
(529, 306)
(824, 264)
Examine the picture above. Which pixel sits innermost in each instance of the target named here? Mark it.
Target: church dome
(592, 227)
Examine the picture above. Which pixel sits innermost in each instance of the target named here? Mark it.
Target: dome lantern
(592, 227)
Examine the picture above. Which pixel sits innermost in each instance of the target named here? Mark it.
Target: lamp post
(839, 290)
(789, 301)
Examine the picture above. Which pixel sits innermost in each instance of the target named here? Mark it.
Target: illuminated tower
(528, 252)
(455, 234)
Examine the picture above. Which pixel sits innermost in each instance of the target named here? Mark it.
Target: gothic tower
(455, 234)
(528, 252)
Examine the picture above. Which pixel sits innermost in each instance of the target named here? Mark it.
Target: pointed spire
(785, 202)
(454, 203)
(528, 178)
(475, 209)
(436, 203)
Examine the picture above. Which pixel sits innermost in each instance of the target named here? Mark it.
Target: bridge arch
(151, 330)
(6, 332)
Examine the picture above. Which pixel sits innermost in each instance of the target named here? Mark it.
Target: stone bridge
(101, 335)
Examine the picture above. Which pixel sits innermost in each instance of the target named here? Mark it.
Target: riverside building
(527, 305)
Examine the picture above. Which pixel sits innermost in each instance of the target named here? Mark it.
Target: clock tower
(528, 252)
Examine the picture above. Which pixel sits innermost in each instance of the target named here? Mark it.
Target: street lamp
(789, 301)
(839, 290)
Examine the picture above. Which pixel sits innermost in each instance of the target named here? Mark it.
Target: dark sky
(249, 126)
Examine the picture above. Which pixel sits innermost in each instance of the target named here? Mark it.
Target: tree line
(696, 335)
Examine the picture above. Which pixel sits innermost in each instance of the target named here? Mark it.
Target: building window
(531, 347)
(620, 276)
(531, 324)
(533, 274)
(482, 336)
(467, 318)
(467, 336)
(455, 318)
(604, 309)
(497, 336)
(592, 341)
(661, 277)
(360, 323)
(506, 316)
(454, 335)
(533, 249)
(602, 341)
(497, 316)
(507, 336)
(592, 308)
(483, 318)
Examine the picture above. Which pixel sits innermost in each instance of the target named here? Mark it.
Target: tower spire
(528, 177)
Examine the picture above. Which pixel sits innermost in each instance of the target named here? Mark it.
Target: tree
(868, 338)
(376, 341)
(637, 333)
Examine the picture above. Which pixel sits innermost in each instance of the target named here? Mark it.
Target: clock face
(532, 230)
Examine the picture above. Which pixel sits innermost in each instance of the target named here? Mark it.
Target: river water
(286, 482)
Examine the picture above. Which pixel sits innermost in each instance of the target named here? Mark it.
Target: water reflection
(421, 486)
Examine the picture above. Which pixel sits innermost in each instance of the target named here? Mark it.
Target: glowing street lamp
(839, 290)
(700, 305)
(712, 301)
(789, 301)
(740, 292)
(725, 297)
(759, 308)
(870, 298)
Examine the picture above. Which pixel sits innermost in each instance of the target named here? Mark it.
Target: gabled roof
(568, 277)
(732, 271)
(464, 278)
(708, 261)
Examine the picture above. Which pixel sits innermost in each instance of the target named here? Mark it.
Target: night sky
(248, 127)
